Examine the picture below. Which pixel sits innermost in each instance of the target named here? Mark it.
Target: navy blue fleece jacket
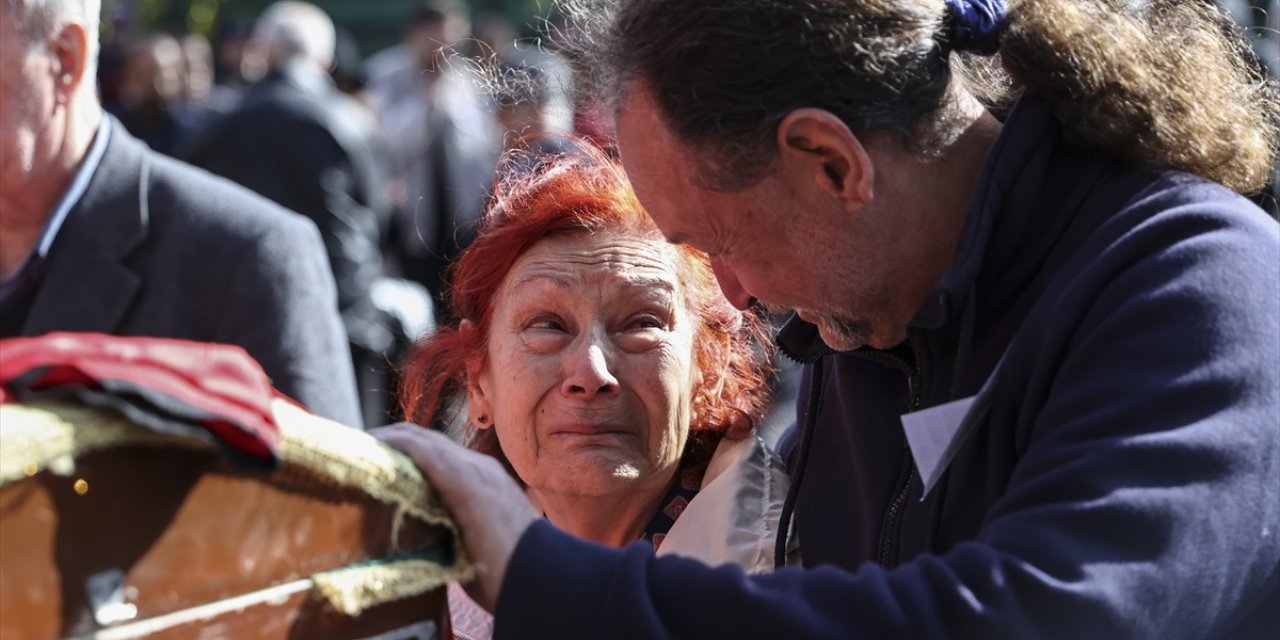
(1124, 481)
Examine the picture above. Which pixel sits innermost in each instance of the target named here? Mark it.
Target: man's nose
(589, 374)
(729, 284)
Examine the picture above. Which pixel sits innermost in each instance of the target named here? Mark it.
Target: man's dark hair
(725, 72)
(1165, 82)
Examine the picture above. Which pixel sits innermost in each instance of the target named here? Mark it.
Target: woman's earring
(483, 419)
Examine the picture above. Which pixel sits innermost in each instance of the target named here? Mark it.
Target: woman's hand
(491, 510)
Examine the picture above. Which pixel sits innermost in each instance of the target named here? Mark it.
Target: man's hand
(490, 508)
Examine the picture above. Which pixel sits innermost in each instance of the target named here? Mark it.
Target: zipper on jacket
(889, 530)
(888, 533)
(813, 359)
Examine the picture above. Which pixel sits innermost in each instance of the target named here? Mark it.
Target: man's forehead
(641, 105)
(655, 163)
(640, 125)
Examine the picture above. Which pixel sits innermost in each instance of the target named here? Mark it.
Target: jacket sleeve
(281, 306)
(1143, 505)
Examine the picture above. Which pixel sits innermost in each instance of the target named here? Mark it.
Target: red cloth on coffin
(214, 391)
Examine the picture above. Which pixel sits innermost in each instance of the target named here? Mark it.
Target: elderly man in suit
(297, 140)
(98, 233)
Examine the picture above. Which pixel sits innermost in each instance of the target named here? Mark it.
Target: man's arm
(1143, 505)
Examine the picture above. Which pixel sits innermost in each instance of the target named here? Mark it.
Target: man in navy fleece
(1042, 384)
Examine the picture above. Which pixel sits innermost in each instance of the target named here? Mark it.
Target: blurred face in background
(197, 57)
(589, 369)
(518, 121)
(154, 73)
(431, 41)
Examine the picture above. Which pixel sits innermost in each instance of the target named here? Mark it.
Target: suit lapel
(88, 287)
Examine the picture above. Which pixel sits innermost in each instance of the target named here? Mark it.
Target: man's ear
(818, 145)
(479, 400)
(70, 48)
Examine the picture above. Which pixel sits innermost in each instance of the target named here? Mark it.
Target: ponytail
(1171, 84)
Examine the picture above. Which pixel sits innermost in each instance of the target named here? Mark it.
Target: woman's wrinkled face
(589, 372)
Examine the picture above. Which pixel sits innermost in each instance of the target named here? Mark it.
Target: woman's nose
(733, 290)
(589, 373)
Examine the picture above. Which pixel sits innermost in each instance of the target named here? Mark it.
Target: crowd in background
(392, 155)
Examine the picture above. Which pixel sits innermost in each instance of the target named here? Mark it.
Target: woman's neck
(614, 519)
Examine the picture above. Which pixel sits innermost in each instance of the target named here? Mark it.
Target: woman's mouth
(583, 429)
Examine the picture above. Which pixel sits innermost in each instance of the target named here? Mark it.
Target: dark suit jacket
(297, 140)
(159, 248)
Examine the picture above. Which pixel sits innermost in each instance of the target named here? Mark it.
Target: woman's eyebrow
(537, 278)
(562, 281)
(646, 283)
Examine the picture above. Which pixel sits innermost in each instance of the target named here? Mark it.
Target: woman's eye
(647, 321)
(548, 324)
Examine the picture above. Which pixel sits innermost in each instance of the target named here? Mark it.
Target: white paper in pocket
(936, 434)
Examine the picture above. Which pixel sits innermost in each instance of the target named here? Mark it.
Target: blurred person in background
(493, 34)
(118, 21)
(203, 98)
(297, 140)
(100, 234)
(441, 138)
(531, 107)
(153, 91)
(197, 60)
(228, 53)
(349, 73)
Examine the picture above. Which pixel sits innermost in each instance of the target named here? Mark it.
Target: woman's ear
(479, 403)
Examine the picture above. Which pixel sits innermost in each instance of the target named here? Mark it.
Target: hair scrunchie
(976, 25)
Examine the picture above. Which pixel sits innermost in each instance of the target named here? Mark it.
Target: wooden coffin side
(144, 532)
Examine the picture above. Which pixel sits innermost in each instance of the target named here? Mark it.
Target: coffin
(112, 530)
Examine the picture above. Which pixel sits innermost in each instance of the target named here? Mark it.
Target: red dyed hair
(583, 193)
